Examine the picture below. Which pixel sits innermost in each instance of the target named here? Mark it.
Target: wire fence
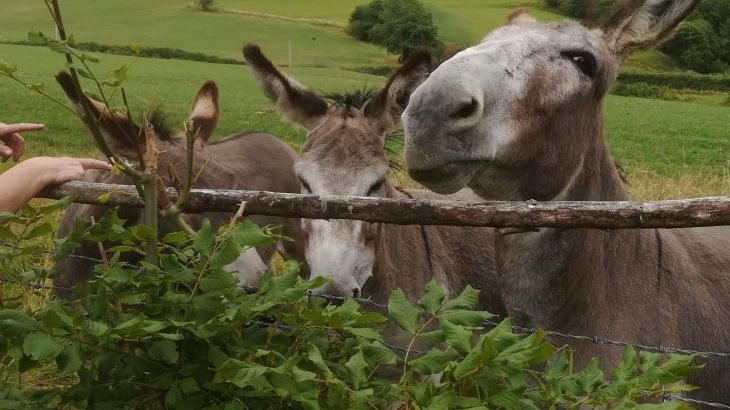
(486, 323)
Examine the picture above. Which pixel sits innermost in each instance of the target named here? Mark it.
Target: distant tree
(398, 25)
(717, 13)
(697, 47)
(364, 19)
(204, 5)
(406, 25)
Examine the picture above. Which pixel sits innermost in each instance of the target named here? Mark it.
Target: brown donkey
(345, 155)
(519, 117)
(251, 161)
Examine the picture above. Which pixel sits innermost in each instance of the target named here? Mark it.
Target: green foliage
(365, 19)
(643, 90)
(696, 46)
(183, 335)
(678, 81)
(399, 25)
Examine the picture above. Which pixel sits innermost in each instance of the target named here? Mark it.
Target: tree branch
(681, 213)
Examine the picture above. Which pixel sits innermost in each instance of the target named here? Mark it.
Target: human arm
(24, 181)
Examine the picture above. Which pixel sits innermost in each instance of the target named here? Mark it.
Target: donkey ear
(389, 103)
(122, 136)
(294, 102)
(204, 114)
(645, 23)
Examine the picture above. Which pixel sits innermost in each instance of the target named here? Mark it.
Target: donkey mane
(350, 99)
(159, 119)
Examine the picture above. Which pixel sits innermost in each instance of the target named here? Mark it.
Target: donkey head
(519, 115)
(344, 155)
(126, 138)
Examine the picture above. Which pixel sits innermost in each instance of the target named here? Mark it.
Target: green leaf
(476, 358)
(39, 230)
(205, 240)
(54, 316)
(239, 373)
(41, 346)
(462, 317)
(225, 254)
(176, 238)
(218, 280)
(628, 368)
(95, 328)
(188, 385)
(364, 332)
(135, 49)
(357, 368)
(104, 198)
(457, 336)
(70, 359)
(37, 87)
(402, 312)
(432, 362)
(173, 397)
(467, 299)
(376, 353)
(16, 323)
(247, 234)
(315, 357)
(164, 351)
(432, 297)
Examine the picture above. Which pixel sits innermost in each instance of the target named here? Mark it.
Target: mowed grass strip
(654, 140)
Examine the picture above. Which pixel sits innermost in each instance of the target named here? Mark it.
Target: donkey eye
(375, 187)
(583, 60)
(306, 186)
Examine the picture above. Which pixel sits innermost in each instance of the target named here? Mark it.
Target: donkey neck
(545, 274)
(402, 257)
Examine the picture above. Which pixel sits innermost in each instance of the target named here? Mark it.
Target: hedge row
(678, 81)
(151, 52)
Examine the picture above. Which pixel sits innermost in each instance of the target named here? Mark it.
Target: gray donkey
(249, 160)
(519, 117)
(345, 155)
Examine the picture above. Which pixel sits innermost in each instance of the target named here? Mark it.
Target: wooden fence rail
(681, 213)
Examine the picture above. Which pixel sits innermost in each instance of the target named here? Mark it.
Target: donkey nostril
(466, 110)
(356, 292)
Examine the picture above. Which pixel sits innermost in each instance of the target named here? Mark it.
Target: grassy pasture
(168, 23)
(670, 149)
(462, 21)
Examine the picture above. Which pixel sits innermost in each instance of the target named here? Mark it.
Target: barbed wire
(674, 397)
(517, 329)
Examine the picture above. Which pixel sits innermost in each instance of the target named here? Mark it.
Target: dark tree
(364, 19)
(398, 25)
(697, 47)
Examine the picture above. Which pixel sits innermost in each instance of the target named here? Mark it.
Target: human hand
(55, 170)
(14, 142)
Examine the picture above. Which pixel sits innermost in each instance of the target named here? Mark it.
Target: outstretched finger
(22, 127)
(89, 163)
